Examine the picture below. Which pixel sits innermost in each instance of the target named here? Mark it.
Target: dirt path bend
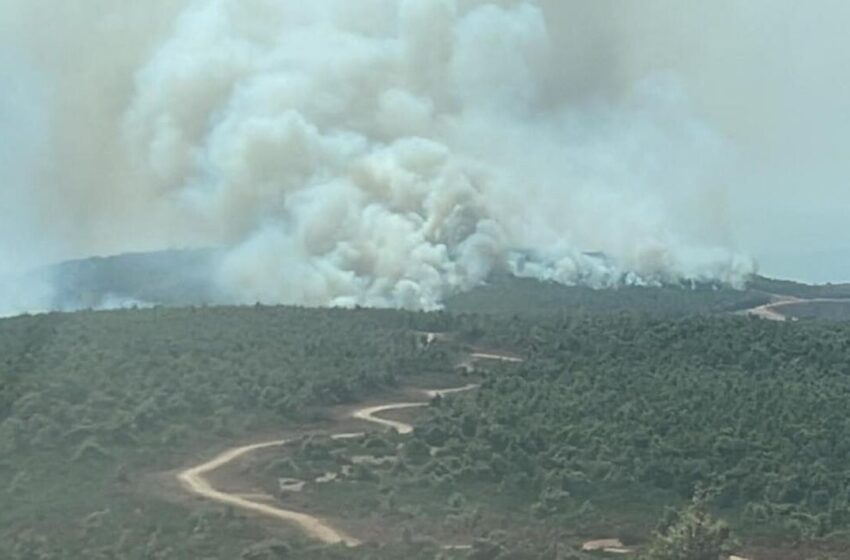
(194, 479)
(368, 413)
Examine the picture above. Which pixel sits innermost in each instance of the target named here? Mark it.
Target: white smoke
(389, 153)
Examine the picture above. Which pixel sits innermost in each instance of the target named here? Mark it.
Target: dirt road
(369, 413)
(194, 479)
(770, 311)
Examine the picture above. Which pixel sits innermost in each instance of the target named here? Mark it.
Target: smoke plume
(378, 152)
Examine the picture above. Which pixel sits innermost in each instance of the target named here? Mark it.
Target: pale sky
(773, 76)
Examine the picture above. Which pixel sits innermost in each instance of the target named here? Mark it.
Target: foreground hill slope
(610, 419)
(94, 404)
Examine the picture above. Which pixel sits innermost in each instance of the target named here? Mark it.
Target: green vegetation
(611, 420)
(178, 278)
(796, 289)
(94, 405)
(628, 402)
(692, 534)
(507, 295)
(182, 277)
(165, 277)
(751, 409)
(832, 310)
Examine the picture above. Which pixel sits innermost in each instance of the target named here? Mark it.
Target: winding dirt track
(369, 413)
(194, 479)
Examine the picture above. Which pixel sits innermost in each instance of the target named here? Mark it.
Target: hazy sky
(773, 76)
(746, 136)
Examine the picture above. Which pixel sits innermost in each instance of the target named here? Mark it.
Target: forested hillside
(93, 403)
(612, 419)
(797, 289)
(179, 278)
(505, 295)
(164, 278)
(752, 409)
(829, 310)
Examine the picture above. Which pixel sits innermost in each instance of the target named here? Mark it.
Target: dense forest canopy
(89, 401)
(613, 416)
(753, 409)
(506, 295)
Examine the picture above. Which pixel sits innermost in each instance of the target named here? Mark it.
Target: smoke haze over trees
(395, 153)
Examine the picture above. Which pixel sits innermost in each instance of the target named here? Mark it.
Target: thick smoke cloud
(395, 158)
(388, 152)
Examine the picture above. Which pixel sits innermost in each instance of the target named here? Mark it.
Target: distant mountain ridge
(170, 278)
(186, 278)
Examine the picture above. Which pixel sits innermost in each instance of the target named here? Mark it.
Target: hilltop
(185, 278)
